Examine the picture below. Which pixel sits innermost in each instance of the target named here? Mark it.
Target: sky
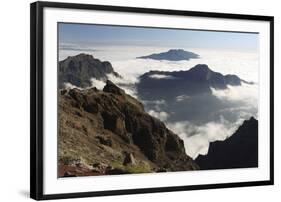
(91, 35)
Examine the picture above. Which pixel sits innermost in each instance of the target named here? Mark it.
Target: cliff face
(108, 132)
(238, 151)
(80, 69)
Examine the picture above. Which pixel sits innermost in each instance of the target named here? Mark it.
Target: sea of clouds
(197, 136)
(242, 102)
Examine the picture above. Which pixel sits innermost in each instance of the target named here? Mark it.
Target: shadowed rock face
(197, 80)
(172, 55)
(103, 126)
(78, 70)
(238, 151)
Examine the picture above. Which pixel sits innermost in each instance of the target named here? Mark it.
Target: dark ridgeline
(196, 80)
(238, 151)
(172, 55)
(78, 70)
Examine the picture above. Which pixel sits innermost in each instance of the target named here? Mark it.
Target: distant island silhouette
(172, 55)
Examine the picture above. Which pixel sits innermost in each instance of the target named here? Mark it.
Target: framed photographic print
(136, 100)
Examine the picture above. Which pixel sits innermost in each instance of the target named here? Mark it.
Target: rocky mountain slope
(238, 151)
(108, 132)
(172, 55)
(80, 69)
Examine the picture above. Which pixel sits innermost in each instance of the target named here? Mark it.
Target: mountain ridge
(198, 79)
(199, 72)
(78, 70)
(172, 55)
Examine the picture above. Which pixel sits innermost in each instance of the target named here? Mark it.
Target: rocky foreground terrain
(108, 132)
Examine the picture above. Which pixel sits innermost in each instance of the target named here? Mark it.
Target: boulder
(129, 159)
(110, 87)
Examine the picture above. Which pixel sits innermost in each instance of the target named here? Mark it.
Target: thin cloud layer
(247, 93)
(123, 60)
(182, 98)
(99, 84)
(161, 76)
(70, 86)
(163, 116)
(198, 137)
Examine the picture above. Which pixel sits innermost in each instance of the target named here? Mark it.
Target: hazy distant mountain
(238, 151)
(78, 70)
(172, 55)
(197, 80)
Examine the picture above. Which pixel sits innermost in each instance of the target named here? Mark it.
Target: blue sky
(91, 35)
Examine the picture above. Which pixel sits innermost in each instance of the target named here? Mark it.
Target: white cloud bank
(182, 98)
(126, 83)
(198, 137)
(70, 86)
(161, 76)
(123, 83)
(99, 84)
(123, 59)
(163, 116)
(246, 93)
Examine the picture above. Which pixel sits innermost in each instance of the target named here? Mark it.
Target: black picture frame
(36, 98)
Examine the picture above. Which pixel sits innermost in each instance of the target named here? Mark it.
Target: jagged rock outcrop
(80, 69)
(172, 55)
(105, 126)
(238, 151)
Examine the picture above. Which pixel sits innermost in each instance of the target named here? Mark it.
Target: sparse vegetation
(141, 167)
